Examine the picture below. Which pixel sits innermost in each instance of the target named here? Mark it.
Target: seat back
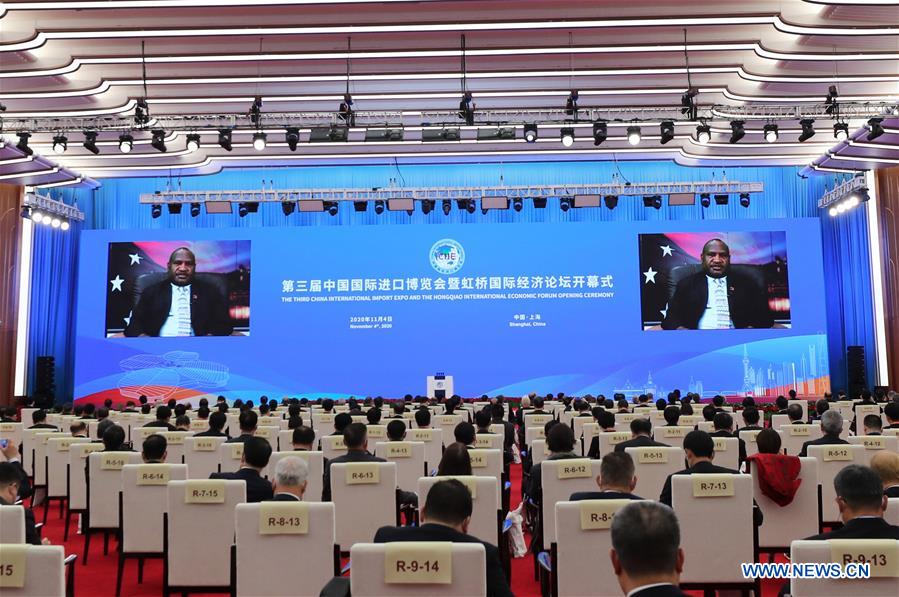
(36, 571)
(433, 441)
(727, 452)
(271, 534)
(608, 440)
(488, 441)
(583, 542)
(533, 433)
(12, 524)
(536, 420)
(175, 446)
(486, 504)
(752, 446)
(333, 446)
(652, 465)
(285, 441)
(56, 461)
(39, 452)
(144, 500)
(447, 426)
(892, 512)
(466, 573)
(323, 423)
(13, 432)
(198, 425)
(230, 454)
(364, 495)
(487, 463)
(707, 426)
(793, 436)
(698, 499)
(875, 443)
(802, 552)
(539, 453)
(201, 455)
(831, 460)
(799, 518)
(104, 482)
(269, 433)
(314, 460)
(195, 558)
(76, 479)
(778, 421)
(673, 435)
(409, 458)
(561, 478)
(623, 420)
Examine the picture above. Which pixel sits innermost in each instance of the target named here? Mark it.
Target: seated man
(247, 421)
(616, 480)
(217, 422)
(10, 480)
(886, 465)
(606, 421)
(891, 412)
(646, 553)
(482, 420)
(114, 440)
(641, 432)
(560, 444)
(78, 429)
(794, 412)
(423, 418)
(465, 433)
(13, 458)
(862, 503)
(39, 420)
(832, 426)
(724, 427)
(396, 430)
(751, 418)
(355, 436)
(873, 425)
(290, 480)
(154, 449)
(163, 416)
(445, 517)
(672, 415)
(256, 453)
(341, 420)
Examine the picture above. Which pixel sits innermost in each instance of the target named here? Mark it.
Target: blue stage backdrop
(504, 309)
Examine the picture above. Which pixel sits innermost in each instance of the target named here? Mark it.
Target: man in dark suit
(646, 553)
(163, 416)
(355, 436)
(560, 444)
(616, 480)
(180, 305)
(291, 474)
(641, 430)
(832, 426)
(154, 449)
(256, 452)
(891, 412)
(217, 422)
(751, 418)
(606, 421)
(39, 420)
(862, 503)
(11, 475)
(724, 427)
(717, 297)
(445, 517)
(247, 420)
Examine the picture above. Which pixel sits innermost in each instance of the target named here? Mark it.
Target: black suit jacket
(162, 424)
(496, 578)
(350, 456)
(242, 438)
(208, 310)
(641, 441)
(258, 489)
(661, 591)
(892, 492)
(32, 535)
(861, 528)
(210, 433)
(602, 495)
(748, 303)
(285, 497)
(741, 443)
(824, 440)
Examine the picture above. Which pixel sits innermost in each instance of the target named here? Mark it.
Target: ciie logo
(447, 256)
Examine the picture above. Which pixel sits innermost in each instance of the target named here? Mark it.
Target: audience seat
(651, 472)
(230, 454)
(727, 452)
(875, 443)
(12, 524)
(556, 489)
(314, 480)
(821, 551)
(56, 464)
(201, 455)
(409, 458)
(332, 446)
(892, 513)
(44, 570)
(362, 508)
(827, 470)
(800, 518)
(104, 482)
(486, 516)
(793, 436)
(76, 482)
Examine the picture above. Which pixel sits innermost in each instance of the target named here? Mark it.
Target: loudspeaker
(856, 370)
(45, 380)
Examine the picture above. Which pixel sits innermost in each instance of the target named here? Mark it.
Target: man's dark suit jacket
(163, 424)
(242, 438)
(285, 497)
(641, 441)
(661, 591)
(211, 433)
(861, 528)
(208, 310)
(741, 443)
(350, 456)
(602, 495)
(892, 492)
(496, 578)
(748, 303)
(43, 426)
(258, 489)
(593, 450)
(824, 440)
(32, 536)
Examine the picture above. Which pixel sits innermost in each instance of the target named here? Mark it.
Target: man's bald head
(716, 258)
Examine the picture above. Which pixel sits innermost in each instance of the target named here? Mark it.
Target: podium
(440, 386)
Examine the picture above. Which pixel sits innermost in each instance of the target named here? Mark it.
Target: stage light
(155, 210)
(47, 220)
(174, 208)
(55, 222)
(530, 133)
(808, 129)
(447, 206)
(666, 129)
(744, 199)
(331, 207)
(875, 126)
(259, 141)
(833, 211)
(567, 136)
(360, 206)
(770, 133)
(539, 202)
(611, 201)
(193, 142)
(705, 199)
(292, 137)
(126, 143)
(379, 207)
(600, 132)
(158, 142)
(22, 145)
(703, 133)
(288, 207)
(738, 130)
(466, 204)
(427, 206)
(242, 210)
(564, 203)
(654, 201)
(634, 135)
(517, 204)
(194, 210)
(225, 139)
(65, 225)
(60, 144)
(37, 217)
(90, 142)
(722, 199)
(840, 131)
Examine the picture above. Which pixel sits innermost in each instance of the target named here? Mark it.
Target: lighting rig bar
(846, 188)
(439, 193)
(53, 207)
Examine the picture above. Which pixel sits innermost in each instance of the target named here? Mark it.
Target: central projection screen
(504, 308)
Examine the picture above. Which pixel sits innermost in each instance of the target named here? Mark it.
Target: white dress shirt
(717, 309)
(178, 321)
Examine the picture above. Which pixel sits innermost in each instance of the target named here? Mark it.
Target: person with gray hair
(290, 479)
(832, 426)
(646, 553)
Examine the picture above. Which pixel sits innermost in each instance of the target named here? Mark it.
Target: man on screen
(180, 305)
(717, 298)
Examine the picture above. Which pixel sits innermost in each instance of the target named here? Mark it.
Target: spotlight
(564, 203)
(331, 207)
(770, 133)
(194, 210)
(705, 199)
(539, 202)
(722, 199)
(292, 137)
(808, 130)
(242, 210)
(875, 126)
(738, 130)
(65, 225)
(288, 207)
(22, 145)
(611, 201)
(744, 199)
(360, 206)
(530, 132)
(225, 139)
(447, 206)
(155, 210)
(840, 131)
(126, 143)
(48, 220)
(666, 129)
(37, 217)
(60, 144)
(193, 142)
(833, 211)
(427, 206)
(571, 104)
(517, 204)
(174, 208)
(600, 132)
(703, 133)
(654, 201)
(466, 204)
(90, 142)
(567, 136)
(634, 135)
(55, 222)
(259, 141)
(158, 142)
(379, 207)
